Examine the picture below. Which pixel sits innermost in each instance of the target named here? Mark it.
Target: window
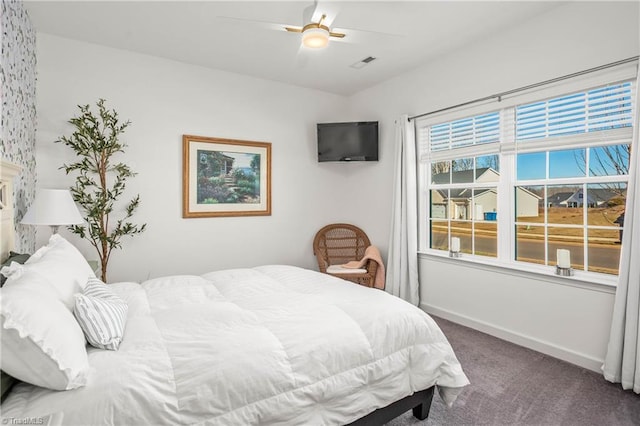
(463, 189)
(581, 211)
(520, 183)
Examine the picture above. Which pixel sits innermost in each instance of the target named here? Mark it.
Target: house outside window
(519, 183)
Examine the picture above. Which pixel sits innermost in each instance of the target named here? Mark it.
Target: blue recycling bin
(491, 216)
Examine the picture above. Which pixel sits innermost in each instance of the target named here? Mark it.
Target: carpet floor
(512, 385)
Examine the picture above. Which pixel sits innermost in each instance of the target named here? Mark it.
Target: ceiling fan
(316, 29)
(315, 35)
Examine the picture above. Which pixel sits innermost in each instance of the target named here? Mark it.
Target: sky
(569, 163)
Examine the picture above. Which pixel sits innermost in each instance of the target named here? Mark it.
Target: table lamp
(53, 207)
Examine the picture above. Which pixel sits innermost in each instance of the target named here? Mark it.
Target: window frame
(507, 150)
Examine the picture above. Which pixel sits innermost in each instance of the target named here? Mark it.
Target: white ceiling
(220, 34)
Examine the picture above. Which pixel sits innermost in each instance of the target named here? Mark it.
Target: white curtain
(402, 263)
(622, 363)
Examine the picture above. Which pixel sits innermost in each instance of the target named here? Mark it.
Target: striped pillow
(101, 314)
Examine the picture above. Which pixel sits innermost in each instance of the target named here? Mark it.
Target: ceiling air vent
(362, 63)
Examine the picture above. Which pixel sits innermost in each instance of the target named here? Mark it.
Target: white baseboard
(546, 348)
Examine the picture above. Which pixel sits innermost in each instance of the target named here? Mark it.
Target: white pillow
(102, 315)
(59, 263)
(42, 344)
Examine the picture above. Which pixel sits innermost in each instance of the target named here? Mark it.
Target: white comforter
(268, 345)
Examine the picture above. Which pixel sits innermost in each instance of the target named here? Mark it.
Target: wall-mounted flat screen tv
(353, 141)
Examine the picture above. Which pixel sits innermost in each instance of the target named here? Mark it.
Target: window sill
(587, 280)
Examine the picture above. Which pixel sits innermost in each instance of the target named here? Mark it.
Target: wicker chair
(339, 243)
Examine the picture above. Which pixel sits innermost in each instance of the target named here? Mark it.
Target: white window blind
(480, 129)
(603, 108)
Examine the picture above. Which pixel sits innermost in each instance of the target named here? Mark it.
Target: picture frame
(225, 177)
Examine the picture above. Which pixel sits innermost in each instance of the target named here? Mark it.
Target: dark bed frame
(420, 402)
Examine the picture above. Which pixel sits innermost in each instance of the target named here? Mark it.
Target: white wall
(164, 100)
(568, 322)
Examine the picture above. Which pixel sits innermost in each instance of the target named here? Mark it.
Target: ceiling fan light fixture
(315, 36)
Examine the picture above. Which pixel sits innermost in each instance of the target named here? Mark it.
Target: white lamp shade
(315, 37)
(52, 207)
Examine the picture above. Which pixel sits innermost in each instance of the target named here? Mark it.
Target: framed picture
(225, 177)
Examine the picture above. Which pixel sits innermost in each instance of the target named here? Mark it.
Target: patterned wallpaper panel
(18, 91)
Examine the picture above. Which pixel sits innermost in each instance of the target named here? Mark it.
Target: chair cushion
(339, 269)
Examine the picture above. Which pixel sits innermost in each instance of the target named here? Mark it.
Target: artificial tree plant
(100, 181)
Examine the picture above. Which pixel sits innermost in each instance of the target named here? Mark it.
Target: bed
(274, 344)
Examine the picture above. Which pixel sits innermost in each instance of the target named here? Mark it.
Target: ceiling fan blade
(302, 57)
(309, 12)
(360, 36)
(336, 35)
(254, 23)
(293, 29)
(329, 9)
